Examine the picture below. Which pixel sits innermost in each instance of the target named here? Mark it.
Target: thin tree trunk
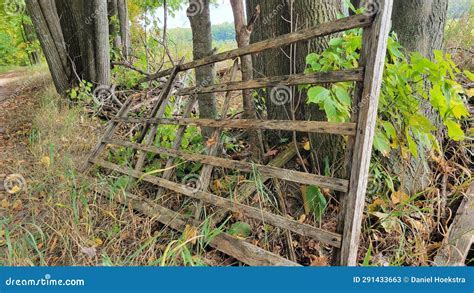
(199, 16)
(102, 47)
(122, 6)
(114, 24)
(243, 32)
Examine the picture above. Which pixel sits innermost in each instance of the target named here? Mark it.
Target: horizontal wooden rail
(324, 29)
(239, 249)
(306, 230)
(286, 125)
(290, 175)
(286, 80)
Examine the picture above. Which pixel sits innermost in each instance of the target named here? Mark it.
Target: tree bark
(102, 47)
(122, 6)
(114, 24)
(199, 16)
(243, 32)
(68, 19)
(45, 31)
(277, 18)
(419, 25)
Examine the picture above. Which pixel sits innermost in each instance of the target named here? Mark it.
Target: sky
(220, 13)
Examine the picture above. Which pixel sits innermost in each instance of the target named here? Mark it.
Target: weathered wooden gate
(360, 132)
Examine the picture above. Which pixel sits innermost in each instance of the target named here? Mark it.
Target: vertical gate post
(375, 39)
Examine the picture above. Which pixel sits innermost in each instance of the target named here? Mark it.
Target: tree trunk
(199, 16)
(29, 38)
(243, 32)
(272, 23)
(68, 18)
(277, 18)
(419, 25)
(122, 6)
(308, 13)
(101, 38)
(114, 24)
(45, 28)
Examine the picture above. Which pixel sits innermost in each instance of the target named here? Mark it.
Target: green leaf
(316, 201)
(312, 58)
(454, 130)
(336, 42)
(240, 229)
(469, 75)
(381, 142)
(318, 94)
(342, 95)
(411, 144)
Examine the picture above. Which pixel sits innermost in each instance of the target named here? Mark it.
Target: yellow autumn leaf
(470, 92)
(45, 161)
(375, 204)
(307, 146)
(98, 242)
(15, 189)
(5, 204)
(399, 197)
(190, 233)
(17, 205)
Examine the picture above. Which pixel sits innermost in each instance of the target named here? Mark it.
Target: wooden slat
(290, 175)
(247, 189)
(213, 150)
(321, 235)
(286, 80)
(288, 125)
(320, 30)
(239, 249)
(157, 112)
(460, 236)
(110, 129)
(177, 142)
(375, 44)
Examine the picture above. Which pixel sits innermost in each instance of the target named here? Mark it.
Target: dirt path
(18, 97)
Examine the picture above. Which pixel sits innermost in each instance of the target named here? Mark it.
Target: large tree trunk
(102, 47)
(49, 34)
(199, 16)
(272, 23)
(309, 13)
(419, 25)
(69, 19)
(277, 18)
